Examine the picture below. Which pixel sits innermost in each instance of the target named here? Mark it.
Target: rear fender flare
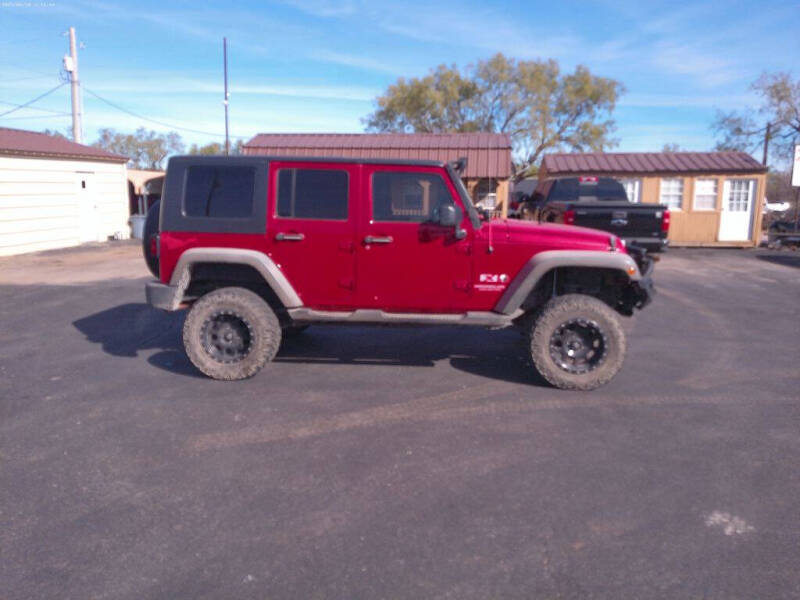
(272, 275)
(540, 264)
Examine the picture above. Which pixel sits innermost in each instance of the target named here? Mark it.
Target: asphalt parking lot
(398, 463)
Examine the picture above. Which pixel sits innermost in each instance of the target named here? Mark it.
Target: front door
(311, 229)
(735, 221)
(406, 261)
(89, 224)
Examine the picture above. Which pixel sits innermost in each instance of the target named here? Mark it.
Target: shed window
(738, 195)
(705, 194)
(313, 194)
(219, 192)
(672, 193)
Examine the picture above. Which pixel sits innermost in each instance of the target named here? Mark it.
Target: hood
(558, 236)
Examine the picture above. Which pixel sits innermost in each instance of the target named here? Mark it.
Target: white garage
(56, 193)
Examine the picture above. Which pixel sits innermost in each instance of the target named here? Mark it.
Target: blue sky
(317, 65)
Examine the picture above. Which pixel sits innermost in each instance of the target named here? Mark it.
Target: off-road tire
(263, 332)
(151, 228)
(576, 309)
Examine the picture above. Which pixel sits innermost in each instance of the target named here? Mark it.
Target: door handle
(289, 237)
(371, 239)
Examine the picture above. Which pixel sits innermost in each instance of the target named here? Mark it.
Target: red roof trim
(621, 163)
(488, 154)
(19, 142)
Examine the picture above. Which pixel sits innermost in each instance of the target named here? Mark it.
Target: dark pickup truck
(599, 203)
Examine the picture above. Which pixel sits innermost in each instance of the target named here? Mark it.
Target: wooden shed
(488, 154)
(56, 193)
(715, 198)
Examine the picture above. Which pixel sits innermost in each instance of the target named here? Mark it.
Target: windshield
(464, 194)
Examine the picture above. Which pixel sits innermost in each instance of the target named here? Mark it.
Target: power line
(162, 123)
(8, 112)
(26, 78)
(47, 110)
(38, 117)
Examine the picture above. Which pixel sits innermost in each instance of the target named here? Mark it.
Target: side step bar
(473, 318)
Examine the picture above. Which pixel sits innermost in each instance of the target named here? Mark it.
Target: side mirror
(448, 215)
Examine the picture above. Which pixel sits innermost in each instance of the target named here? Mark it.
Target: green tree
(145, 149)
(216, 148)
(671, 148)
(531, 100)
(780, 108)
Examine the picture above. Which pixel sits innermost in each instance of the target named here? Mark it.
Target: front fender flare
(543, 262)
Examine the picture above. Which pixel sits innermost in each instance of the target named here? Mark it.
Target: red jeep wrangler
(260, 247)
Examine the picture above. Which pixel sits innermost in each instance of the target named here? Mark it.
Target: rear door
(736, 218)
(406, 261)
(311, 229)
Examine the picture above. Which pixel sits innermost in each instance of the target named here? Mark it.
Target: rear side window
(312, 194)
(221, 192)
(410, 197)
(590, 189)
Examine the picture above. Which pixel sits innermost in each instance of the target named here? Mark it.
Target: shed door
(736, 218)
(88, 212)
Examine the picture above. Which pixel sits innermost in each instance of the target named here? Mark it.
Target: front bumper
(648, 244)
(160, 295)
(644, 290)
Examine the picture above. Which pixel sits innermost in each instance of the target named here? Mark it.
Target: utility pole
(225, 102)
(71, 66)
(766, 144)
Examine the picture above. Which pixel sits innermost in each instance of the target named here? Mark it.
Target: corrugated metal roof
(488, 154)
(624, 163)
(19, 142)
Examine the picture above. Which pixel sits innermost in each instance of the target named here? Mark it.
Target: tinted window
(412, 197)
(312, 194)
(219, 192)
(575, 190)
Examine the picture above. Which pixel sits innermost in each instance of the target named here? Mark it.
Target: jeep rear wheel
(577, 342)
(231, 333)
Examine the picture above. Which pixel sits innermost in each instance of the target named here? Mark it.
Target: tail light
(665, 222)
(569, 217)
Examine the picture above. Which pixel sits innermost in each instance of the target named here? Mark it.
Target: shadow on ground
(787, 260)
(128, 329)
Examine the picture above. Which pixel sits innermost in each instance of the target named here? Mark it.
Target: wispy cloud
(174, 84)
(325, 8)
(707, 69)
(724, 101)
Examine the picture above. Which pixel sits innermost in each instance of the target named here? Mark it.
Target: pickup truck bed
(601, 203)
(637, 224)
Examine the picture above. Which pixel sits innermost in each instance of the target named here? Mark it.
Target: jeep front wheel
(231, 333)
(577, 342)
